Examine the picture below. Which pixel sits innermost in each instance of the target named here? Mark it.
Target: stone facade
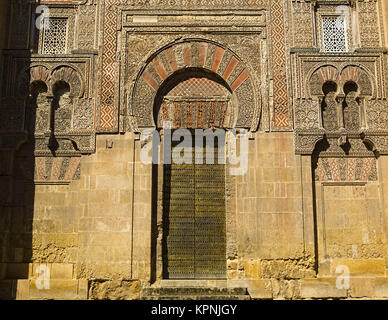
(83, 217)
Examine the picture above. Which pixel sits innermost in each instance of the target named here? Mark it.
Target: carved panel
(83, 114)
(86, 28)
(346, 169)
(307, 114)
(108, 102)
(217, 60)
(368, 24)
(352, 114)
(38, 114)
(303, 32)
(330, 115)
(58, 170)
(63, 113)
(377, 114)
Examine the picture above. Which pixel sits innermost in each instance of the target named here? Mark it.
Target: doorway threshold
(194, 283)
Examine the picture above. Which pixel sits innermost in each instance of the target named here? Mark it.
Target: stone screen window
(55, 36)
(334, 34)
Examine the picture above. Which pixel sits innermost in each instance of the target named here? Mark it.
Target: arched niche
(181, 59)
(71, 77)
(319, 77)
(360, 77)
(193, 98)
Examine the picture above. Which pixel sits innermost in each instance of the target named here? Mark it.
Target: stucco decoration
(210, 59)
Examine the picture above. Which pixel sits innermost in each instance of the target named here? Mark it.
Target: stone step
(194, 293)
(194, 283)
(172, 291)
(187, 297)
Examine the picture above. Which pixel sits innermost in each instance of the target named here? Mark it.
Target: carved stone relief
(352, 114)
(349, 111)
(59, 112)
(307, 113)
(195, 55)
(86, 29)
(303, 32)
(63, 106)
(330, 112)
(346, 169)
(377, 114)
(368, 23)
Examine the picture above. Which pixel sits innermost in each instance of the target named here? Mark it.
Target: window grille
(334, 34)
(54, 37)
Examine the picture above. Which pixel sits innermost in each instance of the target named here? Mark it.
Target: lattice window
(334, 34)
(55, 36)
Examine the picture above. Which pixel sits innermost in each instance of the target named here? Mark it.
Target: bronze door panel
(194, 221)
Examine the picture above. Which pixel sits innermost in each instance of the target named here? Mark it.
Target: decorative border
(107, 105)
(281, 106)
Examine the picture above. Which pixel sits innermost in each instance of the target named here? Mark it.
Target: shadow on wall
(18, 107)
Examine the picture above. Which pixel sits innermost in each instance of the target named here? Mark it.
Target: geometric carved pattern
(55, 36)
(108, 113)
(209, 60)
(352, 112)
(109, 67)
(307, 114)
(196, 103)
(49, 170)
(346, 169)
(377, 114)
(333, 34)
(83, 114)
(303, 32)
(198, 87)
(368, 19)
(329, 112)
(279, 62)
(194, 114)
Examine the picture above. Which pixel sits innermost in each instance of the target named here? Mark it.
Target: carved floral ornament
(193, 58)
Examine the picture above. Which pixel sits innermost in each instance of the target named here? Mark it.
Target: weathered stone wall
(79, 209)
(84, 230)
(268, 200)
